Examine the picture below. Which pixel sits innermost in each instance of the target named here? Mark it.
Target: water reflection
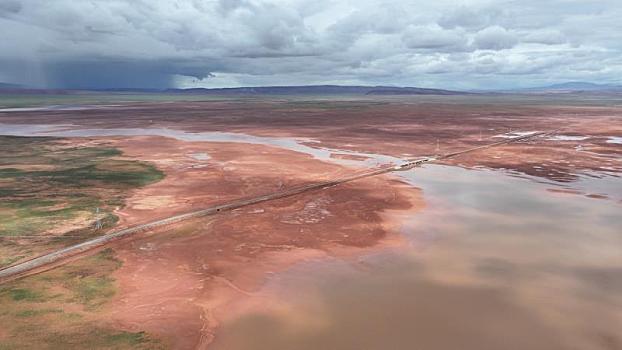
(496, 262)
(293, 144)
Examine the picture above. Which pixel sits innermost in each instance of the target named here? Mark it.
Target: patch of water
(511, 135)
(200, 156)
(293, 144)
(615, 139)
(494, 262)
(605, 184)
(567, 138)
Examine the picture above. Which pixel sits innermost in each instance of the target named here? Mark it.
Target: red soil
(177, 283)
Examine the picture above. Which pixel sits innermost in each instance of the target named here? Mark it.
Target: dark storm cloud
(106, 74)
(158, 43)
(436, 39)
(10, 7)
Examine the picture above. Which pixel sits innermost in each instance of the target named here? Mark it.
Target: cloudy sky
(223, 43)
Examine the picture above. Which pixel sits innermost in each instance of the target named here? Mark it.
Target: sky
(451, 44)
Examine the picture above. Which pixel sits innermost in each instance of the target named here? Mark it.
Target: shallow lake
(494, 262)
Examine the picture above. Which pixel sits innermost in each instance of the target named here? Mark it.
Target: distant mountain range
(570, 87)
(263, 90)
(9, 86)
(575, 86)
(320, 90)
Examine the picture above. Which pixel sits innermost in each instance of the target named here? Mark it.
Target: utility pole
(98, 223)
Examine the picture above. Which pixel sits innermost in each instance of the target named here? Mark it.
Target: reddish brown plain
(179, 282)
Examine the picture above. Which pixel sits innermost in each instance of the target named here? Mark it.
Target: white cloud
(495, 38)
(159, 43)
(546, 37)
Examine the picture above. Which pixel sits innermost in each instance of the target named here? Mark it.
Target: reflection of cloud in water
(615, 139)
(389, 309)
(506, 259)
(567, 138)
(511, 135)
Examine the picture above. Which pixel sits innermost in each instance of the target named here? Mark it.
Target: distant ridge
(576, 86)
(260, 90)
(383, 90)
(319, 90)
(10, 86)
(354, 90)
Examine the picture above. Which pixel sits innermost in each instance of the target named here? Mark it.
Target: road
(56, 258)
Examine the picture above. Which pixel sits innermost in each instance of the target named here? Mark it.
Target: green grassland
(61, 309)
(104, 98)
(94, 98)
(52, 189)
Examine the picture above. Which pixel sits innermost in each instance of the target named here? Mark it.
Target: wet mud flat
(190, 274)
(194, 272)
(187, 274)
(212, 261)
